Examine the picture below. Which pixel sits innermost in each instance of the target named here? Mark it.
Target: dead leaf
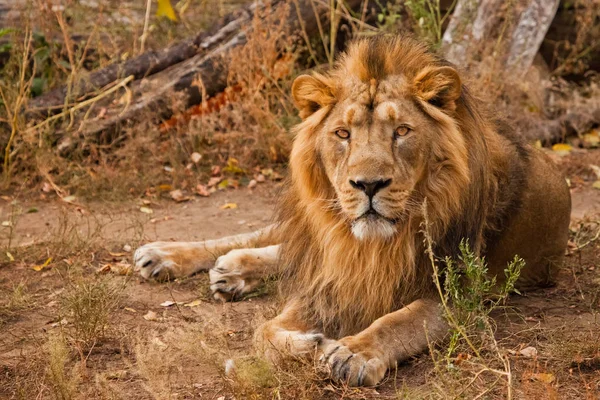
(104, 269)
(165, 188)
(267, 172)
(596, 185)
(252, 184)
(214, 180)
(543, 377)
(62, 322)
(562, 149)
(44, 265)
(46, 187)
(462, 357)
(165, 9)
(117, 254)
(223, 184)
(202, 190)
(151, 316)
(123, 268)
(233, 167)
(146, 210)
(228, 206)
(118, 268)
(260, 178)
(215, 170)
(167, 303)
(194, 303)
(529, 351)
(591, 139)
(10, 256)
(196, 157)
(178, 196)
(7, 223)
(165, 218)
(159, 343)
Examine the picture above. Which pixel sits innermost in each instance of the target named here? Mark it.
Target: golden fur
(470, 179)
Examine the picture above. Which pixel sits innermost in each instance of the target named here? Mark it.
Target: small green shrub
(472, 294)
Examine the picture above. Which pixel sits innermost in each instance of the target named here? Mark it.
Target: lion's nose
(370, 187)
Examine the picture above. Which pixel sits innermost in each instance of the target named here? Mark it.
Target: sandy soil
(560, 322)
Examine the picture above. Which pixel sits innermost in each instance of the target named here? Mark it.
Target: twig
(24, 86)
(304, 33)
(83, 104)
(146, 24)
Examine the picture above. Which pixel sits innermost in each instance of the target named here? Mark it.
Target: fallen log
(150, 96)
(139, 67)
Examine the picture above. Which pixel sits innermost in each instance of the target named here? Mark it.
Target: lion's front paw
(234, 275)
(353, 366)
(156, 260)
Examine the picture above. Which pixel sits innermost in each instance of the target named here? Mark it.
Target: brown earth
(560, 322)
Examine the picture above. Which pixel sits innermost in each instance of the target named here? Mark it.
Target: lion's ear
(312, 93)
(438, 86)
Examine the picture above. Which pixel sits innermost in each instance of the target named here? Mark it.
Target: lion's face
(375, 140)
(374, 149)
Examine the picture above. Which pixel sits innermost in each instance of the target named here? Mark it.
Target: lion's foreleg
(241, 270)
(167, 260)
(287, 335)
(363, 359)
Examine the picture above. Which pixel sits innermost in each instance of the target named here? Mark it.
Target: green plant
(468, 295)
(473, 294)
(429, 19)
(390, 17)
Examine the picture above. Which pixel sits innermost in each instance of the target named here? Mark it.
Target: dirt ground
(146, 355)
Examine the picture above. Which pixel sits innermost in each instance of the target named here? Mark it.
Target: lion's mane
(345, 284)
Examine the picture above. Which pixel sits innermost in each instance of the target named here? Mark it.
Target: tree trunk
(482, 28)
(529, 34)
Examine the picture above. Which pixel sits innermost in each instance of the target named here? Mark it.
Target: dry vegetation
(77, 325)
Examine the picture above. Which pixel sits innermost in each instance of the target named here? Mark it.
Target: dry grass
(86, 307)
(94, 347)
(63, 383)
(14, 301)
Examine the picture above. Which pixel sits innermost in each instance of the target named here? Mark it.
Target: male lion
(390, 127)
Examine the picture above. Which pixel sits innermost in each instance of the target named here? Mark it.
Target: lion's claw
(353, 368)
(230, 278)
(153, 261)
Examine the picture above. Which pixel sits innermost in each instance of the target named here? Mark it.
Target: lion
(389, 128)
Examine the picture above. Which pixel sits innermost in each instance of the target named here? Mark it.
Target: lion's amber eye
(401, 131)
(342, 134)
